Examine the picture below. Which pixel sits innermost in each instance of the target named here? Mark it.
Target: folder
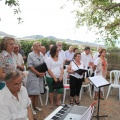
(81, 71)
(42, 67)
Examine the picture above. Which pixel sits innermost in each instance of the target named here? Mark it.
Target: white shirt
(54, 66)
(44, 56)
(61, 55)
(69, 55)
(11, 108)
(98, 64)
(86, 59)
(74, 68)
(19, 59)
(95, 56)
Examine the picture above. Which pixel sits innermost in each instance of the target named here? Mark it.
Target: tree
(101, 15)
(16, 8)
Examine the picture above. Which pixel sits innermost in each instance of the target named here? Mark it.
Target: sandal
(51, 106)
(77, 102)
(71, 102)
(58, 104)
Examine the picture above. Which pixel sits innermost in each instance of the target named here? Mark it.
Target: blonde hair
(3, 44)
(35, 43)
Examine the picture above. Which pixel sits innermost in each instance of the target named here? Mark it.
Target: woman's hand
(41, 74)
(55, 79)
(72, 72)
(61, 78)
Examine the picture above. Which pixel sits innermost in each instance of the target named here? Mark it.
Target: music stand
(101, 83)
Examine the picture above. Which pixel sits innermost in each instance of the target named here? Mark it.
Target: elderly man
(61, 52)
(43, 51)
(69, 55)
(86, 58)
(18, 58)
(14, 100)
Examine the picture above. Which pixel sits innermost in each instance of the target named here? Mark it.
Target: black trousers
(75, 86)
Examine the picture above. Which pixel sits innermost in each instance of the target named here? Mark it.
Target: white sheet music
(99, 81)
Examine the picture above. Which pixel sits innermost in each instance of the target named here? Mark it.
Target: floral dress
(7, 63)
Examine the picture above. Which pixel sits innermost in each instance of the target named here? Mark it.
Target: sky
(43, 17)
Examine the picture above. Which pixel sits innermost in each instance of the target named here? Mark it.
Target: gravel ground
(110, 106)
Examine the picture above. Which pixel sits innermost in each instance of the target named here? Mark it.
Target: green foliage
(16, 8)
(113, 58)
(113, 50)
(27, 44)
(102, 16)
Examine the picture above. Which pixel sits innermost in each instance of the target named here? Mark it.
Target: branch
(105, 8)
(113, 6)
(112, 25)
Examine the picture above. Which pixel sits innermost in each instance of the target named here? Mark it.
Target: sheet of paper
(99, 81)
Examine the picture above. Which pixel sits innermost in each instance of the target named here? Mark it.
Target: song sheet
(99, 81)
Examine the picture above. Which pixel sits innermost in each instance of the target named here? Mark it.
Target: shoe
(77, 102)
(34, 112)
(38, 109)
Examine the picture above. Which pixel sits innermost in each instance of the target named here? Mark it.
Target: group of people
(11, 75)
(14, 100)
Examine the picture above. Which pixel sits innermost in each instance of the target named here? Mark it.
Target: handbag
(57, 85)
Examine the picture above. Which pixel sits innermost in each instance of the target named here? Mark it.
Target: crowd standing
(16, 100)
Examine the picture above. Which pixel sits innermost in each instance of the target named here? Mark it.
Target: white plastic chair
(66, 86)
(86, 85)
(47, 91)
(25, 78)
(114, 80)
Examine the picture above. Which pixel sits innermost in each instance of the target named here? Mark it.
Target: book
(80, 71)
(99, 81)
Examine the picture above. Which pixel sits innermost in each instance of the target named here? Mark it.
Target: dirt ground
(110, 106)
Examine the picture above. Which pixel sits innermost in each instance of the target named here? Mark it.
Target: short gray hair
(4, 42)
(12, 75)
(58, 42)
